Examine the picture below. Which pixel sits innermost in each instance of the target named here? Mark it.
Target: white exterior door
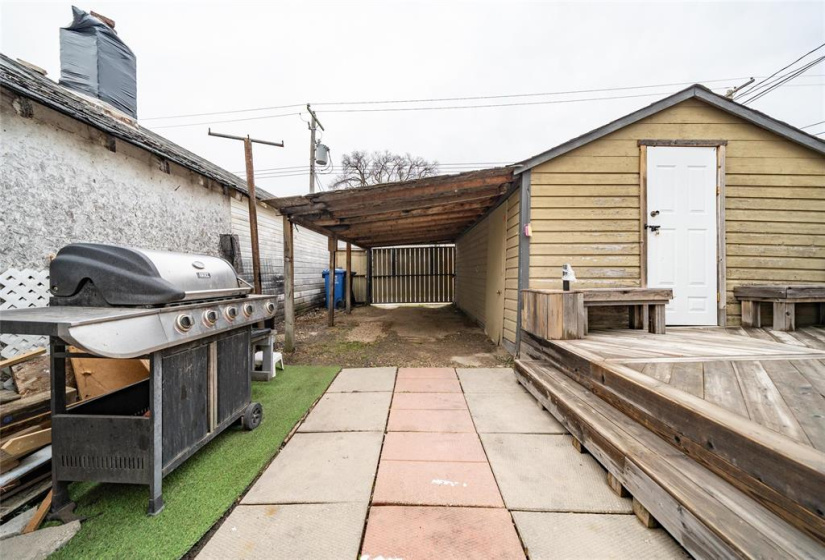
(681, 201)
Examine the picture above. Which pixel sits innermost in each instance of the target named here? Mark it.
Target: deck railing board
(786, 476)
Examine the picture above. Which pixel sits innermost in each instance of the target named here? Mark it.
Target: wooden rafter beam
(439, 211)
(390, 192)
(459, 217)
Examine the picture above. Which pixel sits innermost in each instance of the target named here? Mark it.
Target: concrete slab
(435, 484)
(320, 468)
(511, 413)
(437, 532)
(349, 412)
(545, 473)
(428, 401)
(40, 544)
(15, 525)
(430, 421)
(489, 380)
(584, 536)
(427, 386)
(289, 532)
(412, 446)
(360, 380)
(426, 373)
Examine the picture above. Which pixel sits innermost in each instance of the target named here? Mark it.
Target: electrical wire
(778, 79)
(756, 85)
(787, 78)
(435, 99)
(226, 121)
(810, 125)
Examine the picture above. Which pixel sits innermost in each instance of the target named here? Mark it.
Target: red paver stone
(428, 401)
(427, 373)
(430, 421)
(427, 386)
(438, 532)
(421, 446)
(436, 484)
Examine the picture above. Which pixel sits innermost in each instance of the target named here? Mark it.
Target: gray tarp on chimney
(94, 60)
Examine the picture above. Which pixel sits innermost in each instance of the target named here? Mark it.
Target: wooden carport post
(333, 246)
(289, 288)
(348, 279)
(369, 276)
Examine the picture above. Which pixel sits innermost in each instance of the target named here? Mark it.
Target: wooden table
(784, 299)
(562, 315)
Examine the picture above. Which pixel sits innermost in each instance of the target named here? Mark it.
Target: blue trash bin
(338, 298)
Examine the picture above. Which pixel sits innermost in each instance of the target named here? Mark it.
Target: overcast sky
(203, 57)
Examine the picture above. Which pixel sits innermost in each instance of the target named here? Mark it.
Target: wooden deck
(773, 378)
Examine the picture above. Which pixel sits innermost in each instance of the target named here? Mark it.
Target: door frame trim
(721, 261)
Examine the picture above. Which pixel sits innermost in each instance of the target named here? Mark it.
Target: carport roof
(430, 210)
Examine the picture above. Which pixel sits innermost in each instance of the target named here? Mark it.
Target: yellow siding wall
(471, 271)
(511, 269)
(359, 270)
(585, 205)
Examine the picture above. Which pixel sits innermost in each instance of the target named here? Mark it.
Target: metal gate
(413, 274)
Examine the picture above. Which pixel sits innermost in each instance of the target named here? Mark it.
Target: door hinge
(718, 297)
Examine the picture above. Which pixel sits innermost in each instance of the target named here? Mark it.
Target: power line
(810, 125)
(437, 99)
(223, 112)
(782, 78)
(787, 78)
(491, 105)
(226, 121)
(756, 85)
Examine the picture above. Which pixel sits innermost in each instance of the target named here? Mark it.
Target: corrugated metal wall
(413, 274)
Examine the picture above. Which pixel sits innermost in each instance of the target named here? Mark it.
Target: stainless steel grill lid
(86, 273)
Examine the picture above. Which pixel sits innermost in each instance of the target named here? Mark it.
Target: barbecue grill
(191, 316)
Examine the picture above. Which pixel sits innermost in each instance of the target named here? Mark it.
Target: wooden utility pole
(348, 279)
(253, 200)
(312, 126)
(289, 287)
(333, 247)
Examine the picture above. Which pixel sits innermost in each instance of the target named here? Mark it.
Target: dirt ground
(403, 336)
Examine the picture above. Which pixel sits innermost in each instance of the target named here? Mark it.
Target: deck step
(785, 476)
(704, 513)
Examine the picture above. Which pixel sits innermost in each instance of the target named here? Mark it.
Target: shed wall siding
(311, 251)
(585, 205)
(511, 268)
(471, 271)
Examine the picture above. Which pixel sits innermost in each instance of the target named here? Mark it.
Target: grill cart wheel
(252, 416)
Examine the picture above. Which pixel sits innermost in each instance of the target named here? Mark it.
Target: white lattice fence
(20, 289)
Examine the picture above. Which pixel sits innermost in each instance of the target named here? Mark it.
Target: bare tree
(360, 169)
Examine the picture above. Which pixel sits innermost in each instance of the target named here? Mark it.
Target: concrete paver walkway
(433, 462)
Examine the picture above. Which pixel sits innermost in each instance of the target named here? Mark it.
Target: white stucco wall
(59, 183)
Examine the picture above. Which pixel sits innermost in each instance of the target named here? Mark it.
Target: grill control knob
(248, 309)
(231, 313)
(270, 307)
(210, 317)
(184, 322)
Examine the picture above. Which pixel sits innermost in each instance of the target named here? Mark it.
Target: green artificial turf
(201, 490)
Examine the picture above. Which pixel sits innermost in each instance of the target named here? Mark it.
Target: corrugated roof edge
(697, 91)
(44, 91)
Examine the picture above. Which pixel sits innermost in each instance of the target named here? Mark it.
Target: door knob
(654, 213)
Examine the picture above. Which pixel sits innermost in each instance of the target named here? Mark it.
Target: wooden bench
(784, 299)
(562, 315)
(645, 305)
